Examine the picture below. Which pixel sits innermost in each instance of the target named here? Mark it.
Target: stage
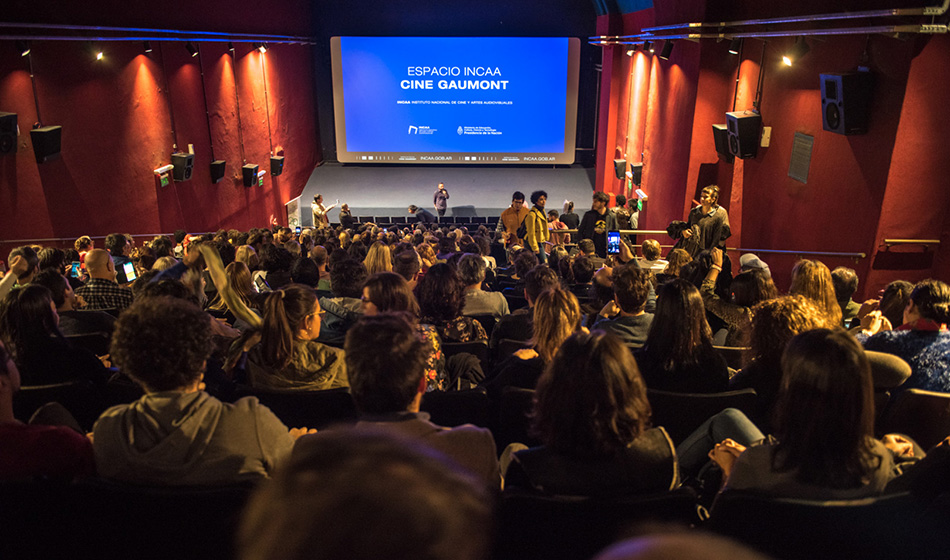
(387, 190)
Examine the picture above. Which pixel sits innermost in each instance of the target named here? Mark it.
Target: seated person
(387, 363)
(26, 450)
(72, 321)
(518, 325)
(824, 425)
(343, 309)
(367, 496)
(101, 290)
(471, 270)
(592, 415)
(177, 434)
(626, 315)
(651, 256)
(440, 298)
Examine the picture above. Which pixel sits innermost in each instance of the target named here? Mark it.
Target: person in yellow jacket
(536, 225)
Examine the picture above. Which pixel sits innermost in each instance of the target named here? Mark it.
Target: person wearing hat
(749, 261)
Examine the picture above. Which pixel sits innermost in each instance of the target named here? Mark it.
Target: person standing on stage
(320, 217)
(536, 226)
(707, 225)
(597, 222)
(439, 199)
(511, 219)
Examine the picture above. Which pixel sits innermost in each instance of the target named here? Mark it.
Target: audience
(101, 290)
(626, 315)
(471, 270)
(748, 288)
(651, 256)
(440, 296)
(845, 283)
(72, 321)
(812, 279)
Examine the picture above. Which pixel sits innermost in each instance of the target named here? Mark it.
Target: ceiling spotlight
(798, 50)
(99, 54)
(667, 50)
(735, 45)
(261, 47)
(23, 47)
(630, 52)
(230, 46)
(147, 45)
(191, 49)
(647, 46)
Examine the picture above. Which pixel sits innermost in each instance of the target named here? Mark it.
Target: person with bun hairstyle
(922, 339)
(281, 346)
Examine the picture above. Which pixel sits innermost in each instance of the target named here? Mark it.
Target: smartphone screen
(74, 269)
(613, 242)
(262, 284)
(129, 270)
(297, 229)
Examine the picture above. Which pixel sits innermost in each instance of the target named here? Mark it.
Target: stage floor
(473, 191)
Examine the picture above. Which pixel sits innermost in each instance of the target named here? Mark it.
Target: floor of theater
(387, 190)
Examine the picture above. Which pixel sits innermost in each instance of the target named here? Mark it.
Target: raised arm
(18, 267)
(220, 279)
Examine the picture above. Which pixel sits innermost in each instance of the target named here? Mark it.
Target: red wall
(117, 129)
(890, 182)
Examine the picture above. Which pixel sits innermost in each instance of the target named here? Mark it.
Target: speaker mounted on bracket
(846, 102)
(744, 128)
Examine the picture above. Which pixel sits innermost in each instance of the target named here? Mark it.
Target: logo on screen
(459, 131)
(413, 129)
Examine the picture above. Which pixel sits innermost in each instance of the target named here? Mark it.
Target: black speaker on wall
(276, 165)
(846, 102)
(636, 169)
(744, 128)
(47, 142)
(721, 138)
(8, 133)
(620, 168)
(184, 166)
(217, 170)
(249, 173)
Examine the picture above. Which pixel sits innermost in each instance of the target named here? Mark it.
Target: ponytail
(284, 313)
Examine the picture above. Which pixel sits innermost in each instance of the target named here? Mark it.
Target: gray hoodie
(179, 438)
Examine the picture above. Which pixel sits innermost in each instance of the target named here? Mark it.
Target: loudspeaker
(846, 102)
(620, 167)
(744, 128)
(184, 166)
(249, 173)
(217, 170)
(47, 141)
(721, 138)
(8, 133)
(636, 169)
(276, 165)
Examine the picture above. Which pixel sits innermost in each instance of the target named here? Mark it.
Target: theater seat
(311, 409)
(540, 526)
(923, 415)
(512, 425)
(454, 408)
(896, 526)
(682, 413)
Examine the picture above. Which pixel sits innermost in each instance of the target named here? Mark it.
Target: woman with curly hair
(441, 297)
(592, 415)
(812, 279)
(775, 322)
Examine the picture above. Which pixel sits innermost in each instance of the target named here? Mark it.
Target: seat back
(78, 397)
(682, 413)
(514, 422)
(479, 349)
(506, 347)
(923, 415)
(311, 409)
(733, 355)
(97, 342)
(533, 525)
(454, 408)
(896, 526)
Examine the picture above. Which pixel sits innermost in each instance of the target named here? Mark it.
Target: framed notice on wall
(801, 157)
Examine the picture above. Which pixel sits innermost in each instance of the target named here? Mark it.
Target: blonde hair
(812, 279)
(557, 315)
(247, 255)
(239, 278)
(164, 263)
(378, 259)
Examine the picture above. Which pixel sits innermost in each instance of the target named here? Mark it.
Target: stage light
(798, 50)
(147, 45)
(230, 46)
(191, 49)
(23, 47)
(735, 45)
(647, 46)
(630, 52)
(261, 47)
(667, 50)
(98, 51)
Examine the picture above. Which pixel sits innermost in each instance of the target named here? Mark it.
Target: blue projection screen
(455, 100)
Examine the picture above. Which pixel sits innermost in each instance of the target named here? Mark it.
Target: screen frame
(568, 157)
